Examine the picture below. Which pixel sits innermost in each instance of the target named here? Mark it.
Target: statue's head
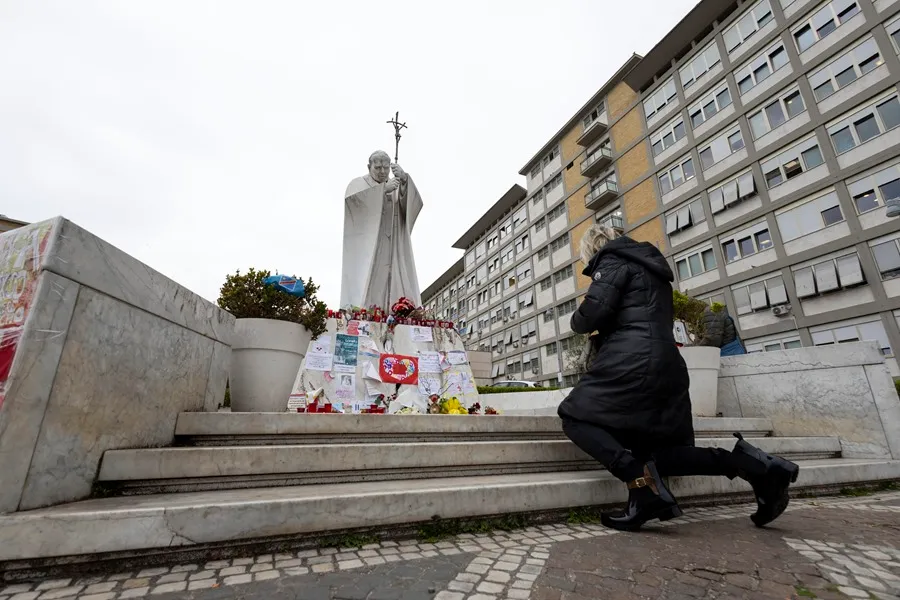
(380, 166)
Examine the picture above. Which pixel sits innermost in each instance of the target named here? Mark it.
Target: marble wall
(112, 351)
(844, 391)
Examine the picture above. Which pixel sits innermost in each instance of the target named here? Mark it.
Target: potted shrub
(272, 332)
(702, 361)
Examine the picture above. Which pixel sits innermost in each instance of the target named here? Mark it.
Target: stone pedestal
(105, 352)
(372, 340)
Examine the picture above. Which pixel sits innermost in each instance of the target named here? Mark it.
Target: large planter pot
(265, 357)
(703, 365)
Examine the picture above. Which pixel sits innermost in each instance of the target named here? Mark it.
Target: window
(663, 96)
(537, 197)
(526, 299)
(746, 244)
(687, 216)
(722, 147)
(549, 316)
(823, 22)
(528, 329)
(846, 69)
(543, 253)
(522, 244)
(760, 295)
(482, 296)
(540, 224)
(553, 184)
(523, 272)
(760, 67)
(677, 175)
(507, 254)
(893, 30)
(520, 218)
(747, 25)
(797, 159)
(505, 229)
(560, 242)
(550, 349)
(546, 284)
(848, 332)
(776, 113)
(695, 263)
(568, 344)
(562, 275)
(874, 190)
(549, 157)
(470, 282)
(508, 280)
(570, 380)
(667, 136)
(493, 241)
(731, 192)
(481, 273)
(492, 266)
(828, 276)
(530, 363)
(809, 216)
(887, 258)
(556, 212)
(704, 61)
(865, 124)
(594, 115)
(566, 308)
(535, 171)
(710, 105)
(613, 218)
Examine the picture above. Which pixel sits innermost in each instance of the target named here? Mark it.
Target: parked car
(515, 384)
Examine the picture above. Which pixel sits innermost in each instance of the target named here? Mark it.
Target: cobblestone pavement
(823, 548)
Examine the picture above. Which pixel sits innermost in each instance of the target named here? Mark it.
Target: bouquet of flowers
(402, 308)
(490, 410)
(452, 406)
(475, 409)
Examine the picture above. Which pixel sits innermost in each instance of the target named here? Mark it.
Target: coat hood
(642, 253)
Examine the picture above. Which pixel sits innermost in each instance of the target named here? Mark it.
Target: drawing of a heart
(399, 368)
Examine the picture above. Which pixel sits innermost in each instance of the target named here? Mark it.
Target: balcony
(594, 130)
(601, 194)
(596, 161)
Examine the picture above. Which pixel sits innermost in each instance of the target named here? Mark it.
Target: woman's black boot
(648, 499)
(770, 476)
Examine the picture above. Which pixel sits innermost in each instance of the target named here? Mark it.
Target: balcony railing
(593, 131)
(601, 194)
(596, 161)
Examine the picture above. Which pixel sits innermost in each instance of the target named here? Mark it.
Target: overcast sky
(205, 137)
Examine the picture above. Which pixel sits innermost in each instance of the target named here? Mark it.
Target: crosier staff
(395, 168)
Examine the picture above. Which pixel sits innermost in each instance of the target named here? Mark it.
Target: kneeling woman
(632, 411)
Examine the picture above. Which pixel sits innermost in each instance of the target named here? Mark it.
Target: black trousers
(624, 453)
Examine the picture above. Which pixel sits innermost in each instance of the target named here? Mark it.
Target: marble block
(110, 353)
(844, 391)
(401, 342)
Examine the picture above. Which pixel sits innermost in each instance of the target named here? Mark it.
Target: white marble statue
(379, 214)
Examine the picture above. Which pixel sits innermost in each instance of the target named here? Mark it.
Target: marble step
(157, 470)
(226, 428)
(189, 523)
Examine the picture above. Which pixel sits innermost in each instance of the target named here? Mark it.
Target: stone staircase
(235, 479)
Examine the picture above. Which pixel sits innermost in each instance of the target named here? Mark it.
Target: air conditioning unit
(515, 344)
(782, 310)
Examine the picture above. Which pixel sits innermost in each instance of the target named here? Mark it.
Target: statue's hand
(399, 173)
(390, 185)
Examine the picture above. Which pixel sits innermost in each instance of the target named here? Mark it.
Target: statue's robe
(377, 262)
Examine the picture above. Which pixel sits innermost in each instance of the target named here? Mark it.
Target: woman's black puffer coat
(637, 381)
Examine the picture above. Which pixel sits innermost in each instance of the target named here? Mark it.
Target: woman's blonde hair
(594, 239)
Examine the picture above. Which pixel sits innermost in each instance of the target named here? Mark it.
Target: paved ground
(826, 548)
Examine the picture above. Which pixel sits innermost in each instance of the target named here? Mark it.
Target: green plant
(690, 311)
(438, 529)
(247, 297)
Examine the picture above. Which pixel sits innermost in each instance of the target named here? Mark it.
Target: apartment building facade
(759, 160)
